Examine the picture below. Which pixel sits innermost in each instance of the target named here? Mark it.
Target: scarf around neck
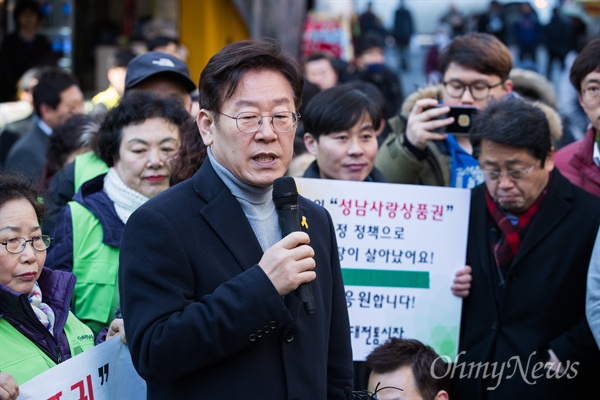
(508, 245)
(125, 199)
(42, 311)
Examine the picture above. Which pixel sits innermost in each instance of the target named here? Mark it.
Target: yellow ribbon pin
(304, 223)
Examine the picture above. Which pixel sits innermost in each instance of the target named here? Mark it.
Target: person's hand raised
(422, 122)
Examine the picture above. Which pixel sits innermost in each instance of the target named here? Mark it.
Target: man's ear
(205, 124)
(549, 162)
(311, 143)
(442, 395)
(508, 86)
(45, 109)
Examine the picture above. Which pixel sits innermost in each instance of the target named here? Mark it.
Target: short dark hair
(191, 154)
(51, 83)
(15, 187)
(428, 368)
(319, 56)
(368, 41)
(160, 41)
(73, 134)
(339, 108)
(481, 52)
(514, 122)
(26, 5)
(120, 58)
(134, 108)
(224, 70)
(587, 61)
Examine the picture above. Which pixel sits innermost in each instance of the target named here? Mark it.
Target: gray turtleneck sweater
(257, 204)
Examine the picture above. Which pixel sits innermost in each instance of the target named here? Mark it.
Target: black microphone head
(285, 191)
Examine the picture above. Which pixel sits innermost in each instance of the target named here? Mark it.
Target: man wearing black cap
(161, 73)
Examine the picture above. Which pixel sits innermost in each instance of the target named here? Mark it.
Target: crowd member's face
(71, 103)
(466, 76)
(401, 378)
(145, 155)
(590, 105)
(348, 155)
(321, 73)
(19, 271)
(515, 196)
(166, 88)
(28, 20)
(258, 158)
(373, 56)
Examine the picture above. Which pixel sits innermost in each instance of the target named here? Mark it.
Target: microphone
(285, 197)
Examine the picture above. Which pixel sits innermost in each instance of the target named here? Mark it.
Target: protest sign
(103, 372)
(399, 248)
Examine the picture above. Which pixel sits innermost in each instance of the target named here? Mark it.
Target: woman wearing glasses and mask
(37, 329)
(137, 140)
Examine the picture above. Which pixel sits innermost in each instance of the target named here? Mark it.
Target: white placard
(102, 372)
(399, 247)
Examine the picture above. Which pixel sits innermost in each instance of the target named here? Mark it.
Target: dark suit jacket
(204, 320)
(28, 154)
(542, 305)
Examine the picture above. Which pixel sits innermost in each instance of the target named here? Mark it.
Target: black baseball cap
(154, 63)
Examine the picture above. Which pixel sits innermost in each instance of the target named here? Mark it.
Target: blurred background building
(84, 32)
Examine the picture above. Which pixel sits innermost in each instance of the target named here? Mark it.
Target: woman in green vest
(137, 141)
(37, 329)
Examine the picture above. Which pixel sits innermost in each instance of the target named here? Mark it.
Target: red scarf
(510, 240)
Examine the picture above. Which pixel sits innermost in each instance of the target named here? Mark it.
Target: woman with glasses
(37, 329)
(137, 140)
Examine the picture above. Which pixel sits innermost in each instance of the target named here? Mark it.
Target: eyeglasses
(250, 122)
(591, 93)
(513, 174)
(17, 245)
(366, 395)
(479, 91)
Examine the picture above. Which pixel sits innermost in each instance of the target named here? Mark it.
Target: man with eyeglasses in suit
(523, 315)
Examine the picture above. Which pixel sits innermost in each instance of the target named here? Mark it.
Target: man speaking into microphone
(219, 299)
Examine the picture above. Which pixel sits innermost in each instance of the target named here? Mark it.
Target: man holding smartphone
(475, 69)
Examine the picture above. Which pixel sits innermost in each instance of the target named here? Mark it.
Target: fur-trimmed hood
(526, 82)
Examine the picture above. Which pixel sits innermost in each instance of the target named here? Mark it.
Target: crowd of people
(153, 215)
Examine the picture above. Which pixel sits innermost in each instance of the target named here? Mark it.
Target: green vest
(96, 266)
(21, 358)
(88, 166)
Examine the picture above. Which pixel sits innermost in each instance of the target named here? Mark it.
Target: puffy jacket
(400, 165)
(87, 241)
(27, 347)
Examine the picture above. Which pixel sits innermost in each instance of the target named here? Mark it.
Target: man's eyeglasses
(17, 245)
(591, 93)
(250, 122)
(513, 174)
(479, 91)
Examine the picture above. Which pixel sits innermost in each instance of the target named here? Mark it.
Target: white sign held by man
(399, 248)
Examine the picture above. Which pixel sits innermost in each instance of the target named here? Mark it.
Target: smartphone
(462, 120)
